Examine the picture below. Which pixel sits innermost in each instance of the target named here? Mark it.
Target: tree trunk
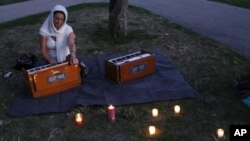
(118, 10)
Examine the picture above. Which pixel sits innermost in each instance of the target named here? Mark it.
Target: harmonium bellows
(51, 79)
(131, 66)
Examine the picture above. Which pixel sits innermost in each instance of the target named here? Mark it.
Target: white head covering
(48, 29)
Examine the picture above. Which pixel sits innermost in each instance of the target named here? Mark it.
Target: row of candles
(177, 109)
(79, 121)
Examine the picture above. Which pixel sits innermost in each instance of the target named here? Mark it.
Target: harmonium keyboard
(51, 79)
(130, 67)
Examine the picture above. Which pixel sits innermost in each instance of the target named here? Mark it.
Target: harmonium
(51, 79)
(131, 66)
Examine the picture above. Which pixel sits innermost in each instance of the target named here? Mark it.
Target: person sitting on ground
(57, 38)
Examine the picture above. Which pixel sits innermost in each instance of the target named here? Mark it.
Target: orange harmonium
(130, 67)
(51, 79)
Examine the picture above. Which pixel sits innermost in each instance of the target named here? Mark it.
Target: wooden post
(118, 10)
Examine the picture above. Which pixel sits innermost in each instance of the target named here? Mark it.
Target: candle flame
(78, 117)
(111, 107)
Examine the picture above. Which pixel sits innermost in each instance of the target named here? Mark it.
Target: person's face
(58, 20)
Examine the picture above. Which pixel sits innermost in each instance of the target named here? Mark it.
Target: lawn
(208, 66)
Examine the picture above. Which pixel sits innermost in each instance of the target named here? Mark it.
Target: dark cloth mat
(165, 84)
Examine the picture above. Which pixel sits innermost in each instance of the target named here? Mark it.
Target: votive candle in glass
(220, 133)
(152, 130)
(155, 112)
(79, 119)
(177, 109)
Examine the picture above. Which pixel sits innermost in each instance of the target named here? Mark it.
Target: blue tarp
(165, 84)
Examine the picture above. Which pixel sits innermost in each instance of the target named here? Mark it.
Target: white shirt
(51, 46)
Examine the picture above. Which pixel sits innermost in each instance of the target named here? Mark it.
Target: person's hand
(74, 60)
(52, 61)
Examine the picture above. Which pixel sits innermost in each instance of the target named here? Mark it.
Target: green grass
(208, 66)
(240, 3)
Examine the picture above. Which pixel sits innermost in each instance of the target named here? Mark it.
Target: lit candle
(78, 119)
(177, 109)
(154, 112)
(220, 133)
(151, 130)
(111, 112)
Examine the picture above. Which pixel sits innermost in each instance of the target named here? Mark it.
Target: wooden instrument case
(130, 67)
(51, 79)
